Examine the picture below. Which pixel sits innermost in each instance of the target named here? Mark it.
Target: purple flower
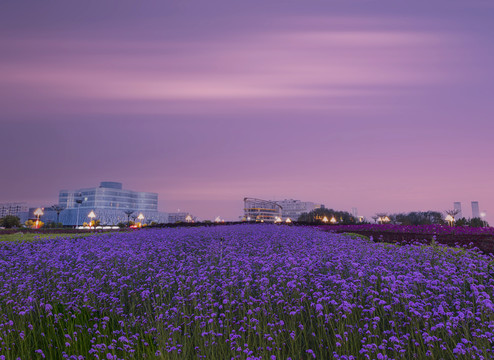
(309, 351)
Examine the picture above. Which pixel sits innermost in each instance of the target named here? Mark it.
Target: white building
(475, 209)
(181, 217)
(292, 209)
(14, 209)
(457, 206)
(261, 210)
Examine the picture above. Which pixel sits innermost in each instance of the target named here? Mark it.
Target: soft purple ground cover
(246, 291)
(414, 229)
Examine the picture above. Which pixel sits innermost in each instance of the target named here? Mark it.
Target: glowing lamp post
(482, 216)
(450, 220)
(91, 215)
(333, 220)
(140, 217)
(189, 219)
(38, 212)
(325, 220)
(288, 221)
(277, 220)
(383, 219)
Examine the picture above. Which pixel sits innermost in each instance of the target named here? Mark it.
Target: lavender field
(243, 292)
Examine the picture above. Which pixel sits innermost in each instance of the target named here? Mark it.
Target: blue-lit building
(110, 202)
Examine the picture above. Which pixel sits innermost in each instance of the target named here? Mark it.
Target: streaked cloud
(278, 64)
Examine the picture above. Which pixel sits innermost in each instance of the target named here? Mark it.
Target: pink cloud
(274, 65)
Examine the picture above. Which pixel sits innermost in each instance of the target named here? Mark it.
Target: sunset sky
(379, 105)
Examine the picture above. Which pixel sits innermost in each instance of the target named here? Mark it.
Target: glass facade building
(110, 202)
(109, 195)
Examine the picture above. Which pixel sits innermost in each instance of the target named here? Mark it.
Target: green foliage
(418, 218)
(32, 224)
(53, 225)
(475, 222)
(36, 236)
(357, 236)
(432, 218)
(316, 216)
(10, 221)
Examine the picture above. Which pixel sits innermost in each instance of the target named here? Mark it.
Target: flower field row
(242, 292)
(415, 229)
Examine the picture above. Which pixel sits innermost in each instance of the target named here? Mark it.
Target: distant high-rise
(354, 212)
(475, 209)
(457, 206)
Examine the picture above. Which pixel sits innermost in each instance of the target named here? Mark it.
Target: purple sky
(379, 105)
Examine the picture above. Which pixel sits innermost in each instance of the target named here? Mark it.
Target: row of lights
(325, 220)
(39, 212)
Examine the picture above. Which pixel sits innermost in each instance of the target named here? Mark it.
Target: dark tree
(128, 213)
(316, 216)
(58, 209)
(418, 218)
(10, 221)
(477, 222)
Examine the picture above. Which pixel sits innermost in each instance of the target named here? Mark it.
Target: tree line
(407, 218)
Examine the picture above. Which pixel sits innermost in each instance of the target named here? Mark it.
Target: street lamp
(38, 212)
(325, 219)
(333, 220)
(288, 221)
(140, 217)
(450, 220)
(91, 216)
(128, 213)
(78, 201)
(277, 220)
(482, 216)
(58, 209)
